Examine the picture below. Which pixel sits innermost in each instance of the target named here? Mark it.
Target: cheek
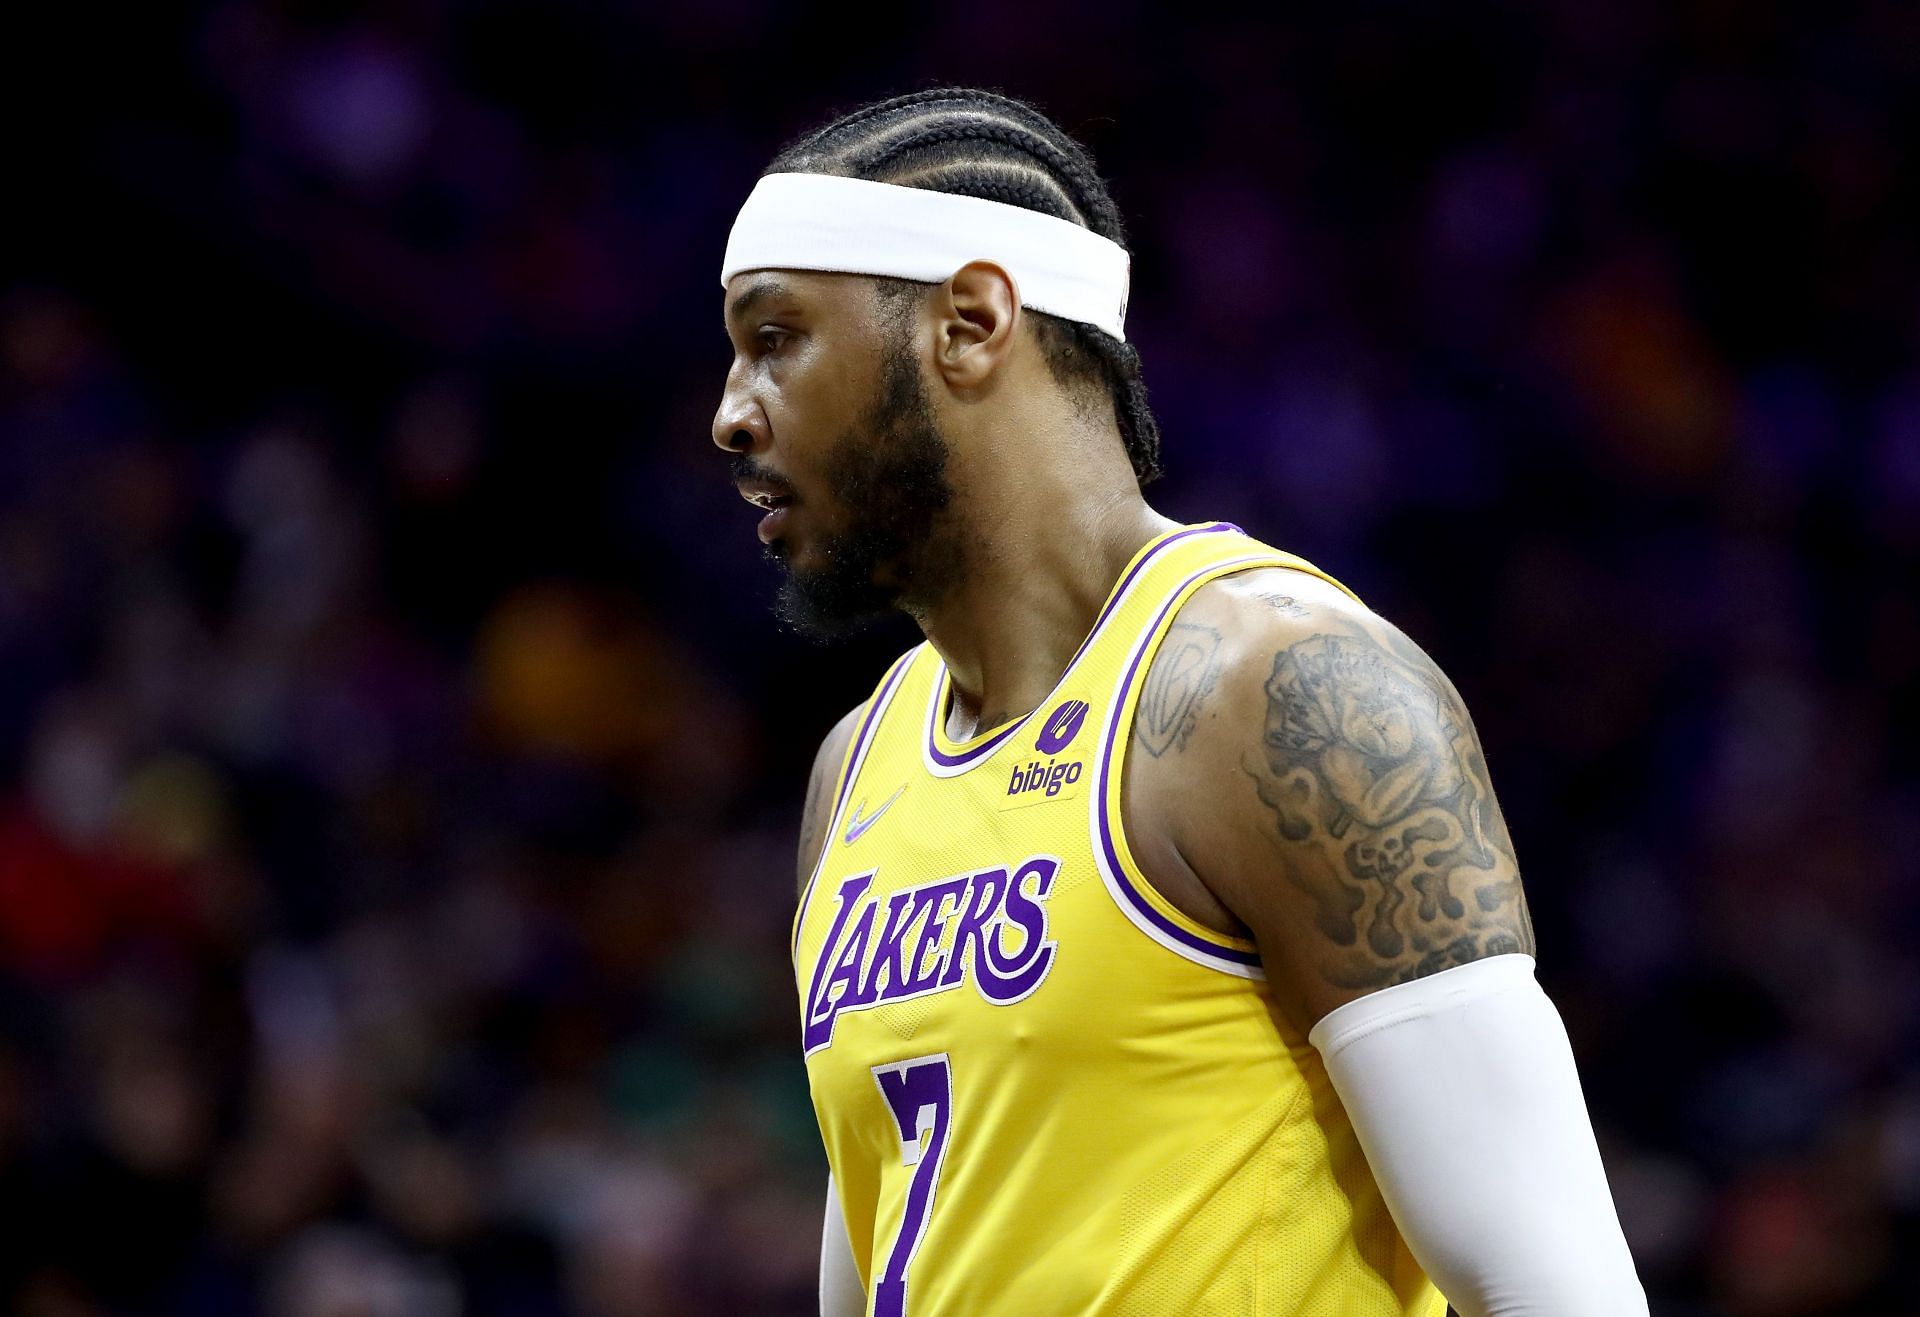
(813, 414)
(799, 402)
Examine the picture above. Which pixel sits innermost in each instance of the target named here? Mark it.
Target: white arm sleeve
(1462, 1090)
(841, 1294)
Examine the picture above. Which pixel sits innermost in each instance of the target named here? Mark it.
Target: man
(1161, 948)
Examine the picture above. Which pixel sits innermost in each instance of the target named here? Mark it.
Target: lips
(770, 498)
(764, 496)
(772, 524)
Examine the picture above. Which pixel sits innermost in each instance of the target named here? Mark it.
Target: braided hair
(981, 144)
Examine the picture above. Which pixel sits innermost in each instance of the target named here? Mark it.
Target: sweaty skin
(818, 810)
(811, 352)
(1302, 773)
(1298, 770)
(1356, 839)
(1322, 788)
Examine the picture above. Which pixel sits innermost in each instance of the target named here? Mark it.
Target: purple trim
(867, 725)
(980, 751)
(1140, 903)
(1114, 597)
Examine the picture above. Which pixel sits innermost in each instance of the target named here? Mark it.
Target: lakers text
(990, 925)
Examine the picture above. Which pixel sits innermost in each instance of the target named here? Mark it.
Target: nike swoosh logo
(858, 827)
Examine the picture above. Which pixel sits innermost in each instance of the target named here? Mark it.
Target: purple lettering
(1005, 978)
(921, 975)
(988, 890)
(821, 1012)
(999, 930)
(1047, 776)
(889, 952)
(845, 974)
(919, 1093)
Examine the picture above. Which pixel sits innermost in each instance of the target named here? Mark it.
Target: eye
(771, 338)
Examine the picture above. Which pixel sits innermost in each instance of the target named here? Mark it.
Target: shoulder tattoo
(1385, 812)
(1284, 604)
(1183, 672)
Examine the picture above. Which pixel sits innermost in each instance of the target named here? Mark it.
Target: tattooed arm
(1321, 780)
(1379, 792)
(1304, 772)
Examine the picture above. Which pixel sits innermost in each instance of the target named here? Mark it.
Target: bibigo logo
(1063, 724)
(1049, 776)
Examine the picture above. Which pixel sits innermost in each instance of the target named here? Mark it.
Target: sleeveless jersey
(1044, 1089)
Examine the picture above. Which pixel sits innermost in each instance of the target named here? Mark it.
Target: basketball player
(1160, 946)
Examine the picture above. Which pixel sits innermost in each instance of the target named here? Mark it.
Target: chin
(792, 552)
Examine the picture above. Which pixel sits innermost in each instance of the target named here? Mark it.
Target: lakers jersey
(1042, 1087)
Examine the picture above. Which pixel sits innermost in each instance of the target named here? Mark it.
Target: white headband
(853, 226)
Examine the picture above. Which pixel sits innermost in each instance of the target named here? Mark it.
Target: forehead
(754, 291)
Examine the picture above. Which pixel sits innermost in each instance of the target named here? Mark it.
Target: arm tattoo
(1183, 672)
(1376, 780)
(1284, 604)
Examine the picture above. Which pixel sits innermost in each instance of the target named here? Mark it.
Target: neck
(1045, 549)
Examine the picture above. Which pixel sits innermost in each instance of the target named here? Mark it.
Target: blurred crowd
(399, 767)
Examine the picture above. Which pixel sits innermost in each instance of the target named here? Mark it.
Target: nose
(739, 426)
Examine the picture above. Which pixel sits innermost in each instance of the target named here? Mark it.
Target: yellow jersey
(1042, 1087)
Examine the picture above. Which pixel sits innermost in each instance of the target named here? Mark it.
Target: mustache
(744, 469)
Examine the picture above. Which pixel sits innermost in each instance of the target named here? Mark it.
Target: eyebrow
(761, 291)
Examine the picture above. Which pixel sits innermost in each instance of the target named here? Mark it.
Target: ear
(977, 313)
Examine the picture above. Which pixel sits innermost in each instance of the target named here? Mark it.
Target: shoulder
(1248, 636)
(1322, 777)
(1210, 671)
(817, 814)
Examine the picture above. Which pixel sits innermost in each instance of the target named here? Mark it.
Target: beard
(899, 546)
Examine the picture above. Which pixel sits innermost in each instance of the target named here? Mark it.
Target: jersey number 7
(919, 1095)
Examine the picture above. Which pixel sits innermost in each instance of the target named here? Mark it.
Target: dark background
(399, 769)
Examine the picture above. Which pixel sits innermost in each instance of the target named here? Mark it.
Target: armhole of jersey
(855, 754)
(1138, 899)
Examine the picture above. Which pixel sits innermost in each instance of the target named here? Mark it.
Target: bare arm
(1320, 779)
(816, 816)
